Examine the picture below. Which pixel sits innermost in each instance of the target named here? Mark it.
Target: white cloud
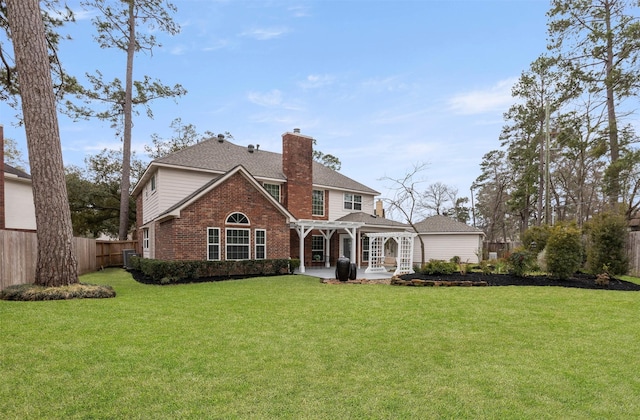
(495, 98)
(268, 99)
(264, 34)
(314, 81)
(299, 11)
(178, 50)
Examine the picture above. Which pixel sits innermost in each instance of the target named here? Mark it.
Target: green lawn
(291, 347)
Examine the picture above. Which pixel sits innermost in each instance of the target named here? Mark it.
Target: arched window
(237, 219)
(238, 239)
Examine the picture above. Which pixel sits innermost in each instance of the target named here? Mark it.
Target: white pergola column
(328, 233)
(328, 228)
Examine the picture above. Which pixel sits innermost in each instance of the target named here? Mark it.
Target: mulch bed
(581, 281)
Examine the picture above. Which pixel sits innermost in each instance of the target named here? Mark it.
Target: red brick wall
(185, 238)
(297, 165)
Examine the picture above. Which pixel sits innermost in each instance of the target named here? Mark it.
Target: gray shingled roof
(444, 224)
(15, 171)
(371, 220)
(212, 155)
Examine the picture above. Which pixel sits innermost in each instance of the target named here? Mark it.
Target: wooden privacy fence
(18, 254)
(109, 253)
(633, 251)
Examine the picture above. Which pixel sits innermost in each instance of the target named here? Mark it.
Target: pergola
(327, 228)
(404, 260)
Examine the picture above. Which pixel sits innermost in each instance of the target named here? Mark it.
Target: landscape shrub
(606, 244)
(538, 235)
(168, 272)
(31, 292)
(436, 267)
(564, 250)
(519, 262)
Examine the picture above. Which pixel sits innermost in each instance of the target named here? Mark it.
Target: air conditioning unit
(126, 257)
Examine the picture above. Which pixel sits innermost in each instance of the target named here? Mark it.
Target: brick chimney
(297, 165)
(379, 211)
(2, 215)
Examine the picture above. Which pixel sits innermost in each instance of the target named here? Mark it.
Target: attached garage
(445, 238)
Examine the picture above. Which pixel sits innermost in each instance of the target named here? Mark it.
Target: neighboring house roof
(371, 220)
(15, 171)
(214, 156)
(174, 211)
(444, 224)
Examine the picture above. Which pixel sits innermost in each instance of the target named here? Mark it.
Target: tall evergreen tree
(117, 27)
(598, 42)
(56, 262)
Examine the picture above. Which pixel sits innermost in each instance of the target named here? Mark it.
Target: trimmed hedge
(169, 272)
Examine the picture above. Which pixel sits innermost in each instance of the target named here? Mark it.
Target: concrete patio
(330, 274)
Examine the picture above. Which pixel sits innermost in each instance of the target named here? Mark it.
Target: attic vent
(250, 148)
(220, 138)
(296, 130)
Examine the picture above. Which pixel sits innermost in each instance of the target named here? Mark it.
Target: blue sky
(382, 85)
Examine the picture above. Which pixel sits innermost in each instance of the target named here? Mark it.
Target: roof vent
(296, 130)
(250, 148)
(220, 138)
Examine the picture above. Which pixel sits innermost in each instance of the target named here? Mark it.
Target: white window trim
(226, 243)
(256, 245)
(213, 243)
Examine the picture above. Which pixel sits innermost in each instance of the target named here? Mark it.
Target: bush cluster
(564, 250)
(31, 292)
(519, 262)
(168, 272)
(607, 241)
(436, 267)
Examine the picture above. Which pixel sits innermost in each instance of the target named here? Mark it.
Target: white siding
(20, 212)
(446, 246)
(336, 204)
(172, 185)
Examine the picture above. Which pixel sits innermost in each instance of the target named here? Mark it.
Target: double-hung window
(317, 248)
(317, 203)
(213, 243)
(238, 241)
(274, 190)
(352, 202)
(261, 244)
(145, 238)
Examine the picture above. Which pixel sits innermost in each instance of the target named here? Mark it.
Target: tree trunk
(126, 140)
(614, 186)
(56, 262)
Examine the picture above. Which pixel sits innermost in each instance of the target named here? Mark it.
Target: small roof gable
(15, 171)
(372, 220)
(174, 211)
(444, 224)
(213, 155)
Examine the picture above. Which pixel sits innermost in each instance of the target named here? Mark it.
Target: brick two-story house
(219, 201)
